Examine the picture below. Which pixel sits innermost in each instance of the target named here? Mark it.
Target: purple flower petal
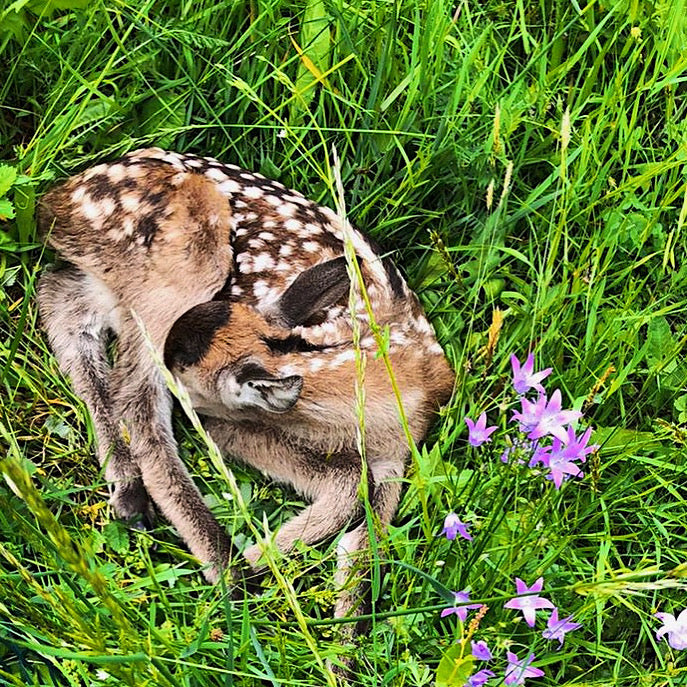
(518, 670)
(557, 629)
(524, 377)
(453, 526)
(480, 678)
(480, 651)
(461, 606)
(675, 628)
(531, 603)
(478, 432)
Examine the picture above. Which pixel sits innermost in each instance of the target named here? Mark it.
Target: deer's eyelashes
(290, 344)
(249, 386)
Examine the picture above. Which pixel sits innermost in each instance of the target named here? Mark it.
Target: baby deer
(269, 361)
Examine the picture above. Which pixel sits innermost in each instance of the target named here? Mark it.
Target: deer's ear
(190, 337)
(314, 290)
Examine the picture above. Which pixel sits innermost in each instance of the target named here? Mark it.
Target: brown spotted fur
(160, 233)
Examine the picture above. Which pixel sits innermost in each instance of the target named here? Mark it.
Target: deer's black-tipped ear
(314, 290)
(191, 335)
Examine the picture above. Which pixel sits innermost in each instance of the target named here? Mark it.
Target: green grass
(429, 106)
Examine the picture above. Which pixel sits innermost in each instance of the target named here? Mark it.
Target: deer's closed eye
(291, 344)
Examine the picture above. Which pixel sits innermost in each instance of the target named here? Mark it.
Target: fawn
(243, 286)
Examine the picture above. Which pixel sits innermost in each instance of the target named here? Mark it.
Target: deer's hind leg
(79, 314)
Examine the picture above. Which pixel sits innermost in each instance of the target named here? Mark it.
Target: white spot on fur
(269, 224)
(299, 199)
(274, 200)
(316, 364)
(194, 162)
(266, 236)
(311, 246)
(216, 174)
(107, 206)
(256, 243)
(313, 228)
(236, 290)
(341, 358)
(116, 173)
(293, 224)
(287, 209)
(94, 171)
(253, 192)
(286, 250)
(78, 195)
(173, 158)
(244, 262)
(247, 175)
(329, 214)
(128, 226)
(229, 187)
(89, 208)
(288, 370)
(180, 178)
(398, 338)
(260, 289)
(262, 262)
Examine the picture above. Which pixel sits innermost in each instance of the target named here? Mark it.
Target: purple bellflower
(479, 678)
(453, 525)
(518, 670)
(529, 604)
(480, 651)
(557, 629)
(561, 468)
(478, 432)
(544, 416)
(559, 459)
(576, 448)
(524, 377)
(461, 606)
(540, 454)
(675, 628)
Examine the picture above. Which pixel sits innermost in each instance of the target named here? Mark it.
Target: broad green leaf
(25, 205)
(313, 50)
(616, 440)
(117, 536)
(7, 176)
(6, 209)
(56, 425)
(13, 22)
(454, 671)
(681, 406)
(660, 341)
